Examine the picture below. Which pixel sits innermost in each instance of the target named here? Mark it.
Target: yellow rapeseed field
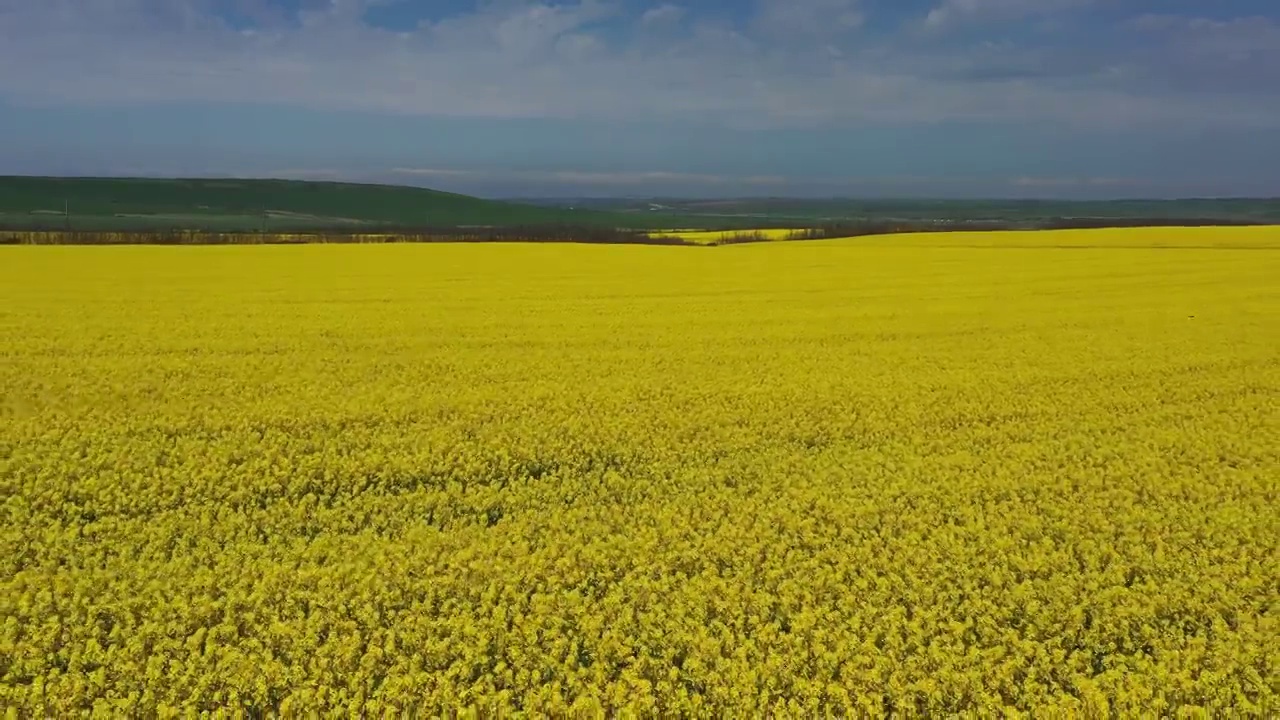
(711, 237)
(915, 475)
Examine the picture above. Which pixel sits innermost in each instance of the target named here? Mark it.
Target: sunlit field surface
(922, 474)
(711, 237)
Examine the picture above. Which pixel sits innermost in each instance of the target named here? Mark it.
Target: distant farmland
(150, 205)
(792, 212)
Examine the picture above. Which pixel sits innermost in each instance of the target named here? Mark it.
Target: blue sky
(942, 98)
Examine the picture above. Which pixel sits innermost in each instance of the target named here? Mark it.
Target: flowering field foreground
(916, 475)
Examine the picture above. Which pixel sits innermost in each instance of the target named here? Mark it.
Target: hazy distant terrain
(240, 205)
(817, 211)
(236, 205)
(246, 205)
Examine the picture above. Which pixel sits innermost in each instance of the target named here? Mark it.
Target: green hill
(242, 204)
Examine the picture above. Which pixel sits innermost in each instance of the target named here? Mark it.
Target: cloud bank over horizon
(940, 97)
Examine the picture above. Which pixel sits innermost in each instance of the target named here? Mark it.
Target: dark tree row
(532, 233)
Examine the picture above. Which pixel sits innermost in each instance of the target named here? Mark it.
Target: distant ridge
(240, 204)
(246, 205)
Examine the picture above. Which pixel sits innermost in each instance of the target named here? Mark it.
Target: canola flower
(711, 237)
(916, 476)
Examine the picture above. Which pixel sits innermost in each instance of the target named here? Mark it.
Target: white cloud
(798, 62)
(1216, 57)
(663, 15)
(813, 18)
(1238, 39)
(949, 13)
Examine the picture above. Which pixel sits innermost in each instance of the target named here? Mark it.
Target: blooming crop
(919, 475)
